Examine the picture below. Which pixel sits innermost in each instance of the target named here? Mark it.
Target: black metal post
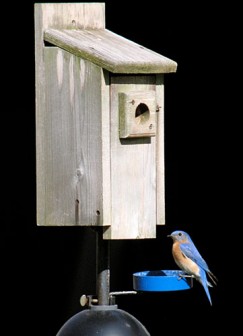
(102, 267)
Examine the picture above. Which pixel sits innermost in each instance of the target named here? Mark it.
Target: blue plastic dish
(161, 280)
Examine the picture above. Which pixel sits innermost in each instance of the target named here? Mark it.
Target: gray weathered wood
(160, 163)
(70, 15)
(133, 171)
(110, 51)
(87, 174)
(72, 162)
(70, 132)
(137, 111)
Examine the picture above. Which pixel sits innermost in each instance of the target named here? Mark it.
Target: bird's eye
(179, 234)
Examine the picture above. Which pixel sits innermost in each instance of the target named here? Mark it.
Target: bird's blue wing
(190, 251)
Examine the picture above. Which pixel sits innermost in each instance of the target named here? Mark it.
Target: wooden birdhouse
(99, 124)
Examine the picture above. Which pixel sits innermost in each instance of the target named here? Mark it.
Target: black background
(46, 270)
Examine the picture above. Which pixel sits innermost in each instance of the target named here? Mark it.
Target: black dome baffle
(103, 321)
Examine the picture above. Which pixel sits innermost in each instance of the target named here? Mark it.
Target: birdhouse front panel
(133, 157)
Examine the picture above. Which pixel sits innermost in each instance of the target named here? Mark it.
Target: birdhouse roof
(110, 51)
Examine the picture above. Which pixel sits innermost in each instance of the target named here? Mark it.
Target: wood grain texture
(70, 15)
(110, 51)
(86, 174)
(70, 134)
(160, 152)
(71, 162)
(133, 171)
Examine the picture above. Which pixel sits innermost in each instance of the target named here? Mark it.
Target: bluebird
(189, 260)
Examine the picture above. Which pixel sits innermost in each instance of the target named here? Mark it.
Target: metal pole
(103, 267)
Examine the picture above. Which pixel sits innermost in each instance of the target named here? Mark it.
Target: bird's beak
(169, 236)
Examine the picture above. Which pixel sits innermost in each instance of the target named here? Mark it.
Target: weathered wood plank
(160, 142)
(105, 216)
(110, 51)
(71, 15)
(65, 151)
(133, 171)
(72, 158)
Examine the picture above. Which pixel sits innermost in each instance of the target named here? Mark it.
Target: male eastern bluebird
(190, 261)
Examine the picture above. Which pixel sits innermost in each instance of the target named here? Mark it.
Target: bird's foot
(180, 276)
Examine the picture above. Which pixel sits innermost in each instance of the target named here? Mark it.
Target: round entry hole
(142, 113)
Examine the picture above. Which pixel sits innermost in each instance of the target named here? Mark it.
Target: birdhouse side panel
(70, 160)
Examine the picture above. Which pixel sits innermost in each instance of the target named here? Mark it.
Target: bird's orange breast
(183, 261)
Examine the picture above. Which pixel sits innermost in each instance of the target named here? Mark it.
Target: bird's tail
(209, 284)
(213, 278)
(205, 284)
